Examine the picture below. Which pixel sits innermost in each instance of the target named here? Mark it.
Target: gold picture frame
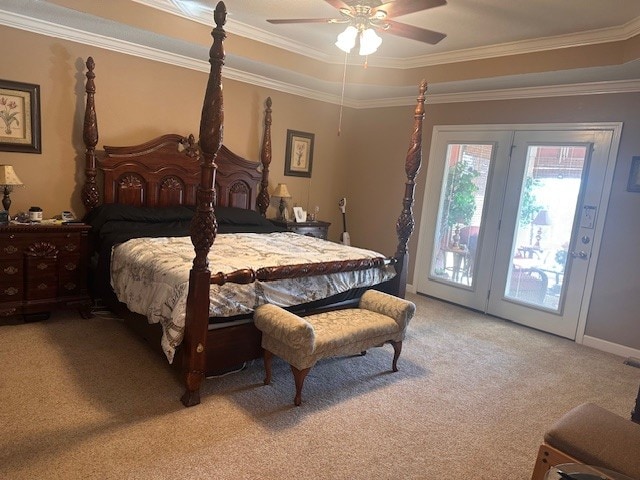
(299, 154)
(19, 117)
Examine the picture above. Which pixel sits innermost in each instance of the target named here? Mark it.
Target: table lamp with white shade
(283, 192)
(8, 180)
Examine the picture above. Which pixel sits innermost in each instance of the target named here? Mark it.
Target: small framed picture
(634, 176)
(300, 214)
(299, 154)
(20, 117)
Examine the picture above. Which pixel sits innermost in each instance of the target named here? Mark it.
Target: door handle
(581, 254)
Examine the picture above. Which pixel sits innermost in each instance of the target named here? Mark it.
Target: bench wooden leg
(397, 348)
(267, 366)
(299, 376)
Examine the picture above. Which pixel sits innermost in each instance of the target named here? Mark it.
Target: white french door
(512, 220)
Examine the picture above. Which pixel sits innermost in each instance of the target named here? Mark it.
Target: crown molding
(567, 90)
(204, 16)
(592, 37)
(605, 35)
(44, 27)
(63, 32)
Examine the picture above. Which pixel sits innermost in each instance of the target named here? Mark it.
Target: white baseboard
(610, 347)
(588, 341)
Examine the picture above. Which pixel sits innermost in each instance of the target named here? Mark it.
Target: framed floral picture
(299, 154)
(19, 117)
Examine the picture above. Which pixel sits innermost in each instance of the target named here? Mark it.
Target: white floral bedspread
(151, 275)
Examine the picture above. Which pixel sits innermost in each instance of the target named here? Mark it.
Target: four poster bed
(158, 194)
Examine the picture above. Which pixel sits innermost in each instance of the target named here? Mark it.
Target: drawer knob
(42, 266)
(11, 270)
(42, 286)
(71, 266)
(10, 249)
(7, 312)
(70, 247)
(11, 291)
(70, 286)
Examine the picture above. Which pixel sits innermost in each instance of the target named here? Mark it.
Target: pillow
(240, 216)
(128, 213)
(113, 212)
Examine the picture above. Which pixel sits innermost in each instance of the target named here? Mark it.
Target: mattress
(150, 275)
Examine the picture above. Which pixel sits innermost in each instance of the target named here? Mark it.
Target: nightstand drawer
(10, 309)
(42, 267)
(317, 229)
(11, 292)
(41, 289)
(317, 232)
(11, 247)
(11, 271)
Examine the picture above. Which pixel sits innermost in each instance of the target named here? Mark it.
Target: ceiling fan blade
(414, 33)
(338, 4)
(304, 20)
(404, 7)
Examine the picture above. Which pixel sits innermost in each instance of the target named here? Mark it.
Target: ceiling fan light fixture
(347, 39)
(369, 42)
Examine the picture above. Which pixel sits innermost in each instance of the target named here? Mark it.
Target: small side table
(317, 229)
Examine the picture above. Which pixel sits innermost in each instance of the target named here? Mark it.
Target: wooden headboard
(166, 172)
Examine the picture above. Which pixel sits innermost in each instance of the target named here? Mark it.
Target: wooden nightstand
(318, 228)
(43, 267)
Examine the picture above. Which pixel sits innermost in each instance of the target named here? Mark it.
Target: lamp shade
(369, 42)
(281, 191)
(8, 176)
(542, 218)
(347, 39)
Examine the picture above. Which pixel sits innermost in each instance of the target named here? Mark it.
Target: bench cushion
(302, 341)
(346, 330)
(598, 437)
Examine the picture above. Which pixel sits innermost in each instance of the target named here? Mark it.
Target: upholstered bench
(591, 435)
(302, 341)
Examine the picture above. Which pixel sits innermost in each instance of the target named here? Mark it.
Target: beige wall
(615, 302)
(138, 99)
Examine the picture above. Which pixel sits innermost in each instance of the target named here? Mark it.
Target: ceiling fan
(364, 17)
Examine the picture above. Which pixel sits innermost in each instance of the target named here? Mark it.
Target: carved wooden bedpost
(90, 196)
(204, 226)
(406, 222)
(265, 157)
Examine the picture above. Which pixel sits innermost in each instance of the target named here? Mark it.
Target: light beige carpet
(85, 399)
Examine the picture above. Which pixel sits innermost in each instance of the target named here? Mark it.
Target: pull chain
(344, 80)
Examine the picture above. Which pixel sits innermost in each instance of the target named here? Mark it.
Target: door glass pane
(460, 213)
(548, 202)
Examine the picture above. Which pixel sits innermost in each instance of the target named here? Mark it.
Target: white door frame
(616, 129)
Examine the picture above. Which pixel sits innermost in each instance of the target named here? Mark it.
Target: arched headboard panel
(237, 180)
(166, 172)
(162, 172)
